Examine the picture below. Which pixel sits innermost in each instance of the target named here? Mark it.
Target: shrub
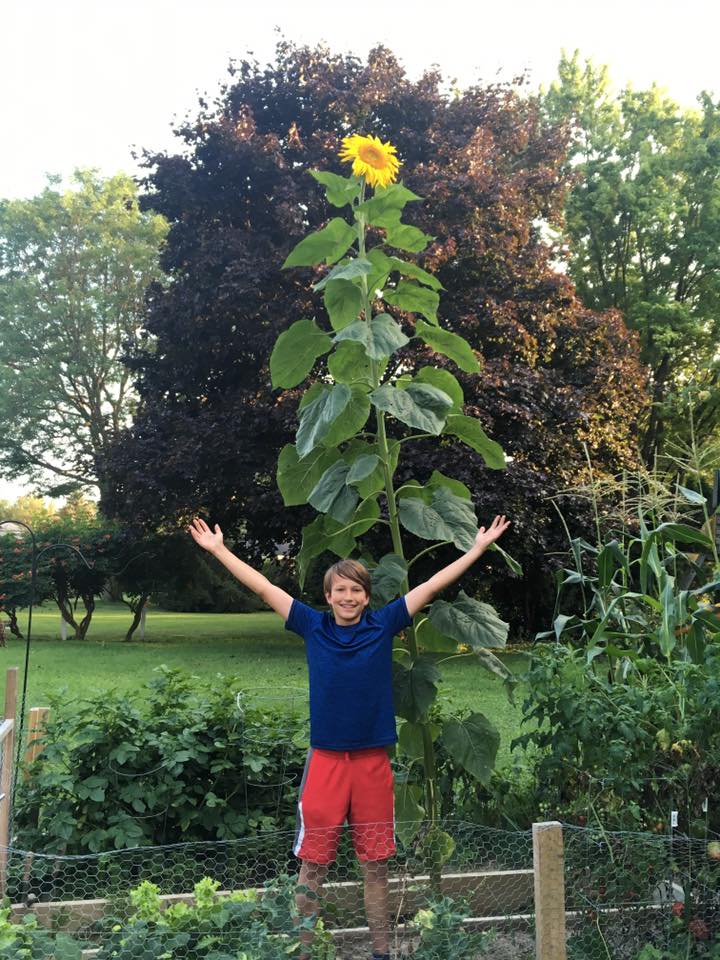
(624, 753)
(176, 761)
(26, 940)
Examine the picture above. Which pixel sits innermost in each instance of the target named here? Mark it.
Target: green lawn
(253, 649)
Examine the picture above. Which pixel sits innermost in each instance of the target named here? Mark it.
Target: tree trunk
(114, 591)
(656, 425)
(137, 610)
(82, 629)
(66, 612)
(13, 624)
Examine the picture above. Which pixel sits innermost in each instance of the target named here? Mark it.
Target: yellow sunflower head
(371, 158)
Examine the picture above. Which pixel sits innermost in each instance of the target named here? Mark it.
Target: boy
(352, 719)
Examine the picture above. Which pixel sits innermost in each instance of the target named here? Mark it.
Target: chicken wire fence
(246, 900)
(627, 896)
(640, 896)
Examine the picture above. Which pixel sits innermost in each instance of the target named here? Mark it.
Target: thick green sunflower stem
(430, 785)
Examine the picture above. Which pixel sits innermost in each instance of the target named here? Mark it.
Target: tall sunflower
(371, 158)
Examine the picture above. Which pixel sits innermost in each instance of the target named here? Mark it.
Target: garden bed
(489, 894)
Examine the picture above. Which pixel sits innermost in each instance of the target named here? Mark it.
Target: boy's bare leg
(377, 909)
(311, 876)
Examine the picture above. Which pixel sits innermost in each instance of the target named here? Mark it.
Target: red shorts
(353, 785)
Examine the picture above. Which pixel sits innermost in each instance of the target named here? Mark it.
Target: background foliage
(209, 430)
(643, 228)
(75, 264)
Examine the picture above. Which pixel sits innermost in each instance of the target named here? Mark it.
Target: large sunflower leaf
(473, 743)
(449, 345)
(349, 270)
(380, 338)
(354, 417)
(387, 578)
(413, 298)
(348, 363)
(469, 621)
(409, 813)
(446, 517)
(322, 534)
(385, 207)
(319, 415)
(332, 495)
(414, 688)
(410, 740)
(375, 481)
(445, 381)
(495, 665)
(343, 302)
(511, 562)
(340, 191)
(404, 237)
(468, 430)
(421, 405)
(296, 477)
(327, 245)
(295, 353)
(365, 517)
(429, 638)
(438, 479)
(362, 467)
(381, 269)
(413, 270)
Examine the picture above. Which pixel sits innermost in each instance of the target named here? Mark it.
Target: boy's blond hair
(351, 570)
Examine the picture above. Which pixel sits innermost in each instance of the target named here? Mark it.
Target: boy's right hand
(204, 537)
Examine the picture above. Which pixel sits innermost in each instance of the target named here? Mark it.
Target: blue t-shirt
(350, 669)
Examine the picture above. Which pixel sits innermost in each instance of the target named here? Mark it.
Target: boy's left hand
(496, 529)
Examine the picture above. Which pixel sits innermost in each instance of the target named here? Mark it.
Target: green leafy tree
(81, 573)
(74, 267)
(643, 225)
(16, 589)
(354, 427)
(34, 511)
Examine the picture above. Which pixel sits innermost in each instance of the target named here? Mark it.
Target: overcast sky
(85, 81)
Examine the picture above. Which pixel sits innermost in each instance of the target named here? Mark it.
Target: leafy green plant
(242, 926)
(443, 935)
(27, 940)
(178, 760)
(372, 398)
(623, 754)
(633, 592)
(683, 951)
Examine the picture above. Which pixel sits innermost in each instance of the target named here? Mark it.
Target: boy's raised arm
(424, 593)
(212, 541)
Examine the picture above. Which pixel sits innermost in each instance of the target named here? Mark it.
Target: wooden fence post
(36, 727)
(11, 685)
(7, 746)
(548, 862)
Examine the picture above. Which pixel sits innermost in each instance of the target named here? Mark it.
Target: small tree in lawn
(354, 424)
(16, 587)
(142, 571)
(79, 574)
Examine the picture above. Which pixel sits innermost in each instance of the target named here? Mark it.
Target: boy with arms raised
(352, 719)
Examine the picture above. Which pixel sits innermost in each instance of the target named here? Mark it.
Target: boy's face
(347, 600)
